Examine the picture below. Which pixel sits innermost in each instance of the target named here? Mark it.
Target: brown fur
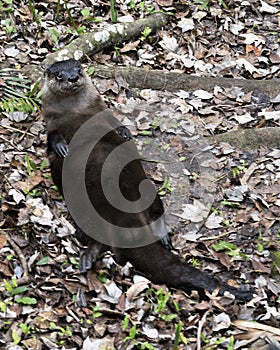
(66, 106)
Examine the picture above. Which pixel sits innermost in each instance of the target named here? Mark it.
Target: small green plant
(3, 306)
(141, 7)
(85, 12)
(165, 188)
(231, 343)
(58, 8)
(36, 16)
(95, 312)
(179, 337)
(166, 146)
(5, 6)
(227, 203)
(16, 337)
(125, 323)
(227, 223)
(194, 176)
(162, 299)
(195, 262)
(206, 3)
(145, 133)
(259, 242)
(44, 261)
(132, 333)
(117, 51)
(241, 168)
(44, 164)
(114, 15)
(30, 166)
(156, 123)
(8, 26)
(17, 93)
(144, 8)
(91, 70)
(65, 331)
(102, 277)
(78, 29)
(145, 33)
(35, 192)
(143, 346)
(25, 329)
(228, 248)
(26, 301)
(74, 262)
(12, 288)
(54, 34)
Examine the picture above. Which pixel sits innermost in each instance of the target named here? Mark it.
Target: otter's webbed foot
(124, 132)
(166, 242)
(91, 254)
(57, 144)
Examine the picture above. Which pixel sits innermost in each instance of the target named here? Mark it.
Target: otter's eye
(59, 76)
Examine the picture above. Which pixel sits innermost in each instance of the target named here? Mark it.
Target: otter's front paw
(57, 144)
(124, 132)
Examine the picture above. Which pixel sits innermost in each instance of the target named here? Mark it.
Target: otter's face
(65, 77)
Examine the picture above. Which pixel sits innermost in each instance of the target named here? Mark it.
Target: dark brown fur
(66, 106)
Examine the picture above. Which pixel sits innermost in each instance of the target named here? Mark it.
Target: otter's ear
(44, 66)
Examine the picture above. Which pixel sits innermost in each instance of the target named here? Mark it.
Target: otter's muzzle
(70, 75)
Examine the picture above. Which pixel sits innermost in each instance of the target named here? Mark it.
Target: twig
(199, 329)
(26, 278)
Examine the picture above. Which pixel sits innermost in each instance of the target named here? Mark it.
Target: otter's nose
(73, 77)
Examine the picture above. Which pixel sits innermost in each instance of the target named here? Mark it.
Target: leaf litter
(240, 211)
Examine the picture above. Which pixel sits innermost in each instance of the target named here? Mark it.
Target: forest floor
(223, 203)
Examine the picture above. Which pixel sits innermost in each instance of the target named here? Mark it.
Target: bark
(172, 81)
(250, 139)
(90, 43)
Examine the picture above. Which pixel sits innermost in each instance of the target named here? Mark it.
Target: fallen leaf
(244, 119)
(195, 212)
(130, 46)
(213, 221)
(186, 24)
(203, 94)
(136, 289)
(169, 43)
(268, 8)
(221, 321)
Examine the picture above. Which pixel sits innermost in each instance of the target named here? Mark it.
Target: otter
(69, 100)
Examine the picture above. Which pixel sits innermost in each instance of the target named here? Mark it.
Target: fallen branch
(249, 139)
(172, 81)
(90, 43)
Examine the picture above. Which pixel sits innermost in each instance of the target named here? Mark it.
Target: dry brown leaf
(136, 289)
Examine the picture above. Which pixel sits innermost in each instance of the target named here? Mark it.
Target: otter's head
(65, 77)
